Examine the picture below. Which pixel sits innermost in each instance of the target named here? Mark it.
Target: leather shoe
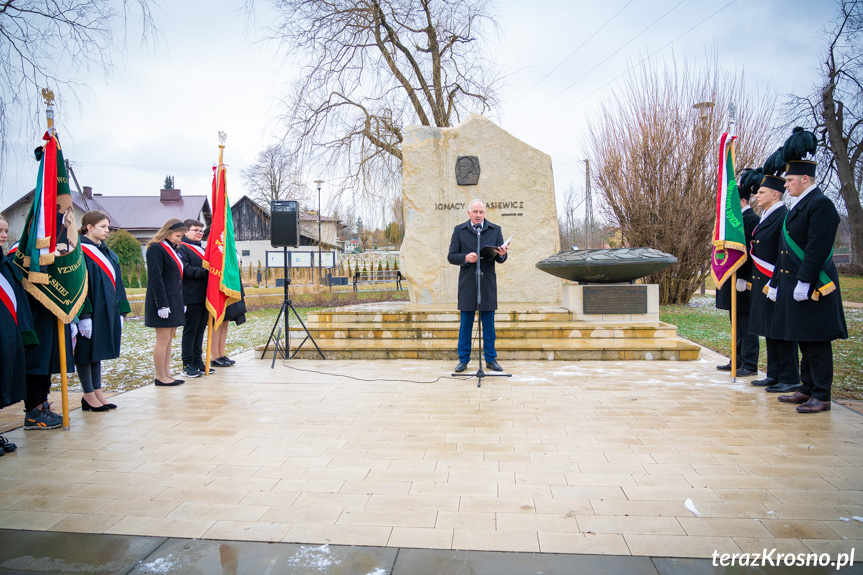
(726, 367)
(460, 367)
(493, 365)
(813, 406)
(745, 373)
(764, 382)
(796, 397)
(168, 384)
(780, 387)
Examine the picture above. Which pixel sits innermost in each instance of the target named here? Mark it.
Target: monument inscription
(608, 299)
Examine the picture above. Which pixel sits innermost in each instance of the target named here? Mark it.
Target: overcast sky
(160, 110)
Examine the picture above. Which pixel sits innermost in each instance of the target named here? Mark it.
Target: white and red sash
(99, 258)
(170, 249)
(764, 267)
(7, 296)
(198, 249)
(12, 249)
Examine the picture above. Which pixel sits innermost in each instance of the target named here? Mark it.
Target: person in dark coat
(16, 334)
(43, 360)
(747, 343)
(806, 286)
(163, 303)
(194, 297)
(462, 252)
(782, 370)
(100, 322)
(236, 312)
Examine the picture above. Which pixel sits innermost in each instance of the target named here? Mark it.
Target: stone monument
(442, 170)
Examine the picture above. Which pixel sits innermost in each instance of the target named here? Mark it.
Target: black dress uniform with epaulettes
(810, 226)
(782, 367)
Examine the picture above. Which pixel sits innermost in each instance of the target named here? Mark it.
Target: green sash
(825, 284)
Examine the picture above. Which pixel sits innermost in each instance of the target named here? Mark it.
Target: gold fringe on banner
(40, 296)
(38, 277)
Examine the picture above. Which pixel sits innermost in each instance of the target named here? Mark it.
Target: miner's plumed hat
(797, 147)
(749, 182)
(773, 169)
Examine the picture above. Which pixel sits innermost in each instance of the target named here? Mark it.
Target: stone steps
(507, 349)
(504, 330)
(412, 331)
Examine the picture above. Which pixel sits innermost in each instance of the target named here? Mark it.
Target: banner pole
(64, 379)
(209, 345)
(733, 286)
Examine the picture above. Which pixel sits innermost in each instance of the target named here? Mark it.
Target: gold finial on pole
(48, 96)
(222, 137)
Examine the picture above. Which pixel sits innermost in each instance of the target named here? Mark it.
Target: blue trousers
(465, 335)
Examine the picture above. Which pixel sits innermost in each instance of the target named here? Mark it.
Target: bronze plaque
(615, 299)
(467, 170)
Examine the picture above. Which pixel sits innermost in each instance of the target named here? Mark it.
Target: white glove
(741, 285)
(73, 327)
(164, 312)
(771, 293)
(122, 319)
(184, 309)
(85, 327)
(801, 291)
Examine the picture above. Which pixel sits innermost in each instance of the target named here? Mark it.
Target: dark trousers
(787, 363)
(465, 335)
(193, 334)
(38, 387)
(747, 344)
(816, 369)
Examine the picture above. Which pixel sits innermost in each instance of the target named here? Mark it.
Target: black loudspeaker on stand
(284, 224)
(287, 307)
(479, 374)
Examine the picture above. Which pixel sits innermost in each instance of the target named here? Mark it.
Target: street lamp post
(320, 239)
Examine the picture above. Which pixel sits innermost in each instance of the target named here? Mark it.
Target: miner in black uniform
(782, 372)
(808, 302)
(747, 343)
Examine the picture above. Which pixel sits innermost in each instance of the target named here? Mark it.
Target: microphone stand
(479, 372)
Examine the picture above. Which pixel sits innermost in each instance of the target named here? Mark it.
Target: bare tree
(654, 161)
(372, 67)
(275, 176)
(51, 44)
(835, 107)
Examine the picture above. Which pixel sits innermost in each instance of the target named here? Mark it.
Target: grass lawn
(702, 323)
(134, 367)
(851, 288)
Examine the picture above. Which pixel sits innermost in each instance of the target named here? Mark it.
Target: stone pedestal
(612, 302)
(516, 183)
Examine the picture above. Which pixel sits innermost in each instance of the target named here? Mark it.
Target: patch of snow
(160, 565)
(857, 518)
(845, 519)
(691, 507)
(377, 571)
(318, 558)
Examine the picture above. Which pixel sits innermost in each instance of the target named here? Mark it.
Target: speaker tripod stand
(287, 307)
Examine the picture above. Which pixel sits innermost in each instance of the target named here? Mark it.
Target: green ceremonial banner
(49, 254)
